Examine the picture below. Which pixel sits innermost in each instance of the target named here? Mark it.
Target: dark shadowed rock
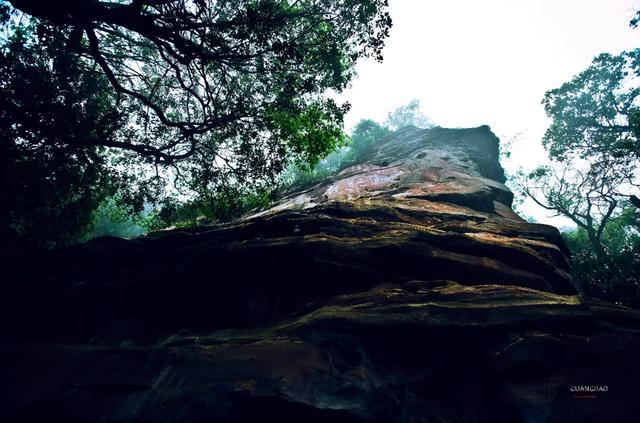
(402, 289)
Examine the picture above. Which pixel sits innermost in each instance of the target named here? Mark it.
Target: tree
(605, 242)
(597, 113)
(224, 79)
(596, 120)
(594, 146)
(409, 114)
(171, 98)
(364, 134)
(618, 282)
(633, 23)
(592, 199)
(49, 181)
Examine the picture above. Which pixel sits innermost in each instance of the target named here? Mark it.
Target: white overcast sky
(476, 62)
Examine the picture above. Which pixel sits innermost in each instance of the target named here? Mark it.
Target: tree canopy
(594, 146)
(199, 95)
(408, 114)
(594, 137)
(49, 181)
(221, 76)
(618, 280)
(598, 111)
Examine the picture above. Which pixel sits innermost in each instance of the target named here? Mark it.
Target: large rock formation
(402, 289)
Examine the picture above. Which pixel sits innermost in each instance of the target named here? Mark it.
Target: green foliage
(114, 217)
(633, 23)
(406, 115)
(590, 197)
(593, 141)
(365, 133)
(313, 133)
(221, 91)
(618, 279)
(597, 111)
(363, 136)
(605, 245)
(223, 205)
(51, 177)
(190, 108)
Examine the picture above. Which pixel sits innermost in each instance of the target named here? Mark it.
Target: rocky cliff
(402, 289)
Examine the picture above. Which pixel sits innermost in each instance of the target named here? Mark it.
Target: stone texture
(402, 289)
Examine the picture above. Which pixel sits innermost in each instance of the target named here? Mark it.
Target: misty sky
(472, 62)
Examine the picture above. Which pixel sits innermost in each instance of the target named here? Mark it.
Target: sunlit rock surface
(402, 289)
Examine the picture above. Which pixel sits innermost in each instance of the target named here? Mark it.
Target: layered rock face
(402, 289)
